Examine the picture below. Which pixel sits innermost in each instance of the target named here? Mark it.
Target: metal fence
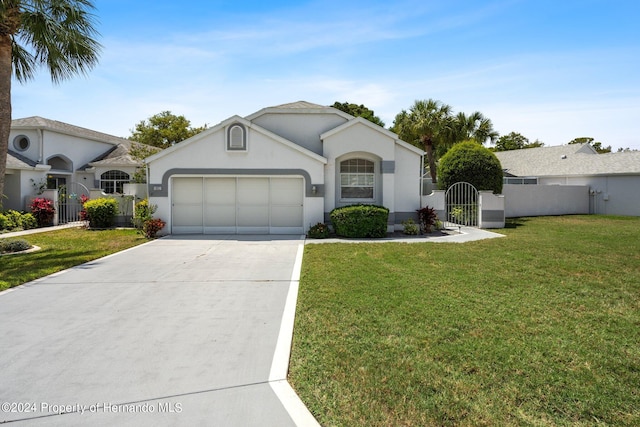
(461, 200)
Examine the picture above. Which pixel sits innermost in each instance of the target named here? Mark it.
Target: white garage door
(243, 205)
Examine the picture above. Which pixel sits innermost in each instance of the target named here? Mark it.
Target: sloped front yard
(539, 328)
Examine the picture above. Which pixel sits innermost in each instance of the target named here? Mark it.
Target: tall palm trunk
(428, 147)
(5, 105)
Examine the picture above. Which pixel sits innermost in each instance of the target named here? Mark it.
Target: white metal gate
(461, 200)
(69, 202)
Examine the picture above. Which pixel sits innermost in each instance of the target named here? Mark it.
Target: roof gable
(224, 124)
(362, 121)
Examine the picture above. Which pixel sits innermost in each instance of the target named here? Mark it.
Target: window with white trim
(357, 179)
(113, 181)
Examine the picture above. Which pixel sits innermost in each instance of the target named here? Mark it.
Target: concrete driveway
(179, 331)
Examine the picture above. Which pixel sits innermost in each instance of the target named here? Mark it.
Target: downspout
(41, 134)
(148, 183)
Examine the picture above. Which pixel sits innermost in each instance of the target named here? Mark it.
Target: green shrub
(29, 221)
(360, 221)
(143, 212)
(13, 220)
(470, 162)
(318, 231)
(13, 245)
(410, 227)
(101, 212)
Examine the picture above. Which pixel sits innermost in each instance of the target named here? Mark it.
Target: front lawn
(62, 249)
(539, 328)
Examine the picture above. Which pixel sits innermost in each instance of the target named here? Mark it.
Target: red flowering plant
(83, 212)
(43, 210)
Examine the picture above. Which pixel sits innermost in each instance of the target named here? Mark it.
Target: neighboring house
(47, 153)
(282, 170)
(585, 181)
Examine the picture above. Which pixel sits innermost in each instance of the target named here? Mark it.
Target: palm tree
(57, 34)
(429, 124)
(475, 126)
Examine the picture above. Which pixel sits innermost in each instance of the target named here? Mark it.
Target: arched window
(357, 179)
(112, 181)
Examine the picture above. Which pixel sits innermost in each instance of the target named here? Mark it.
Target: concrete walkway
(178, 331)
(463, 235)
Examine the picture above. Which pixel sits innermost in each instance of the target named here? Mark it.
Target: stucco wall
(611, 195)
(80, 151)
(207, 156)
(407, 180)
(540, 200)
(304, 129)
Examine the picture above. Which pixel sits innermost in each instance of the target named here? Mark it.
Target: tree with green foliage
(470, 162)
(591, 141)
(164, 130)
(428, 124)
(515, 141)
(475, 126)
(358, 111)
(56, 34)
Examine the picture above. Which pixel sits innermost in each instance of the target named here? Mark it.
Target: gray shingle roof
(300, 105)
(18, 161)
(566, 160)
(54, 125)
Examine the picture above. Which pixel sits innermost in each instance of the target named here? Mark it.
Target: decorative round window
(21, 143)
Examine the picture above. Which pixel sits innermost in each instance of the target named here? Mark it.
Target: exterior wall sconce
(314, 189)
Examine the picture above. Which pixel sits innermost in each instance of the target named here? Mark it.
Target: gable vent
(237, 138)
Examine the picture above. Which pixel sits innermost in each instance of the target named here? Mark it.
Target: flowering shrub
(43, 210)
(83, 212)
(151, 227)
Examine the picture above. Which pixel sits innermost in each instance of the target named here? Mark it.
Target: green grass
(541, 328)
(63, 249)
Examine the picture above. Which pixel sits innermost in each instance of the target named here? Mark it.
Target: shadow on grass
(515, 222)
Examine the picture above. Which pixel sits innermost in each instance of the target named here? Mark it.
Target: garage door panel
(220, 216)
(286, 191)
(220, 191)
(286, 216)
(214, 205)
(187, 190)
(253, 216)
(253, 191)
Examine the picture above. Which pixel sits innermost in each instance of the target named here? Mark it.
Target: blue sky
(550, 70)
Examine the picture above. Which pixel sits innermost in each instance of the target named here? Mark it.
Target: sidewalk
(466, 234)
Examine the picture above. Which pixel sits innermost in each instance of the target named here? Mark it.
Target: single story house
(569, 179)
(282, 170)
(50, 154)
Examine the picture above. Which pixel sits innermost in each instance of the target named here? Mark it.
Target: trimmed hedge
(470, 162)
(360, 221)
(101, 212)
(13, 220)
